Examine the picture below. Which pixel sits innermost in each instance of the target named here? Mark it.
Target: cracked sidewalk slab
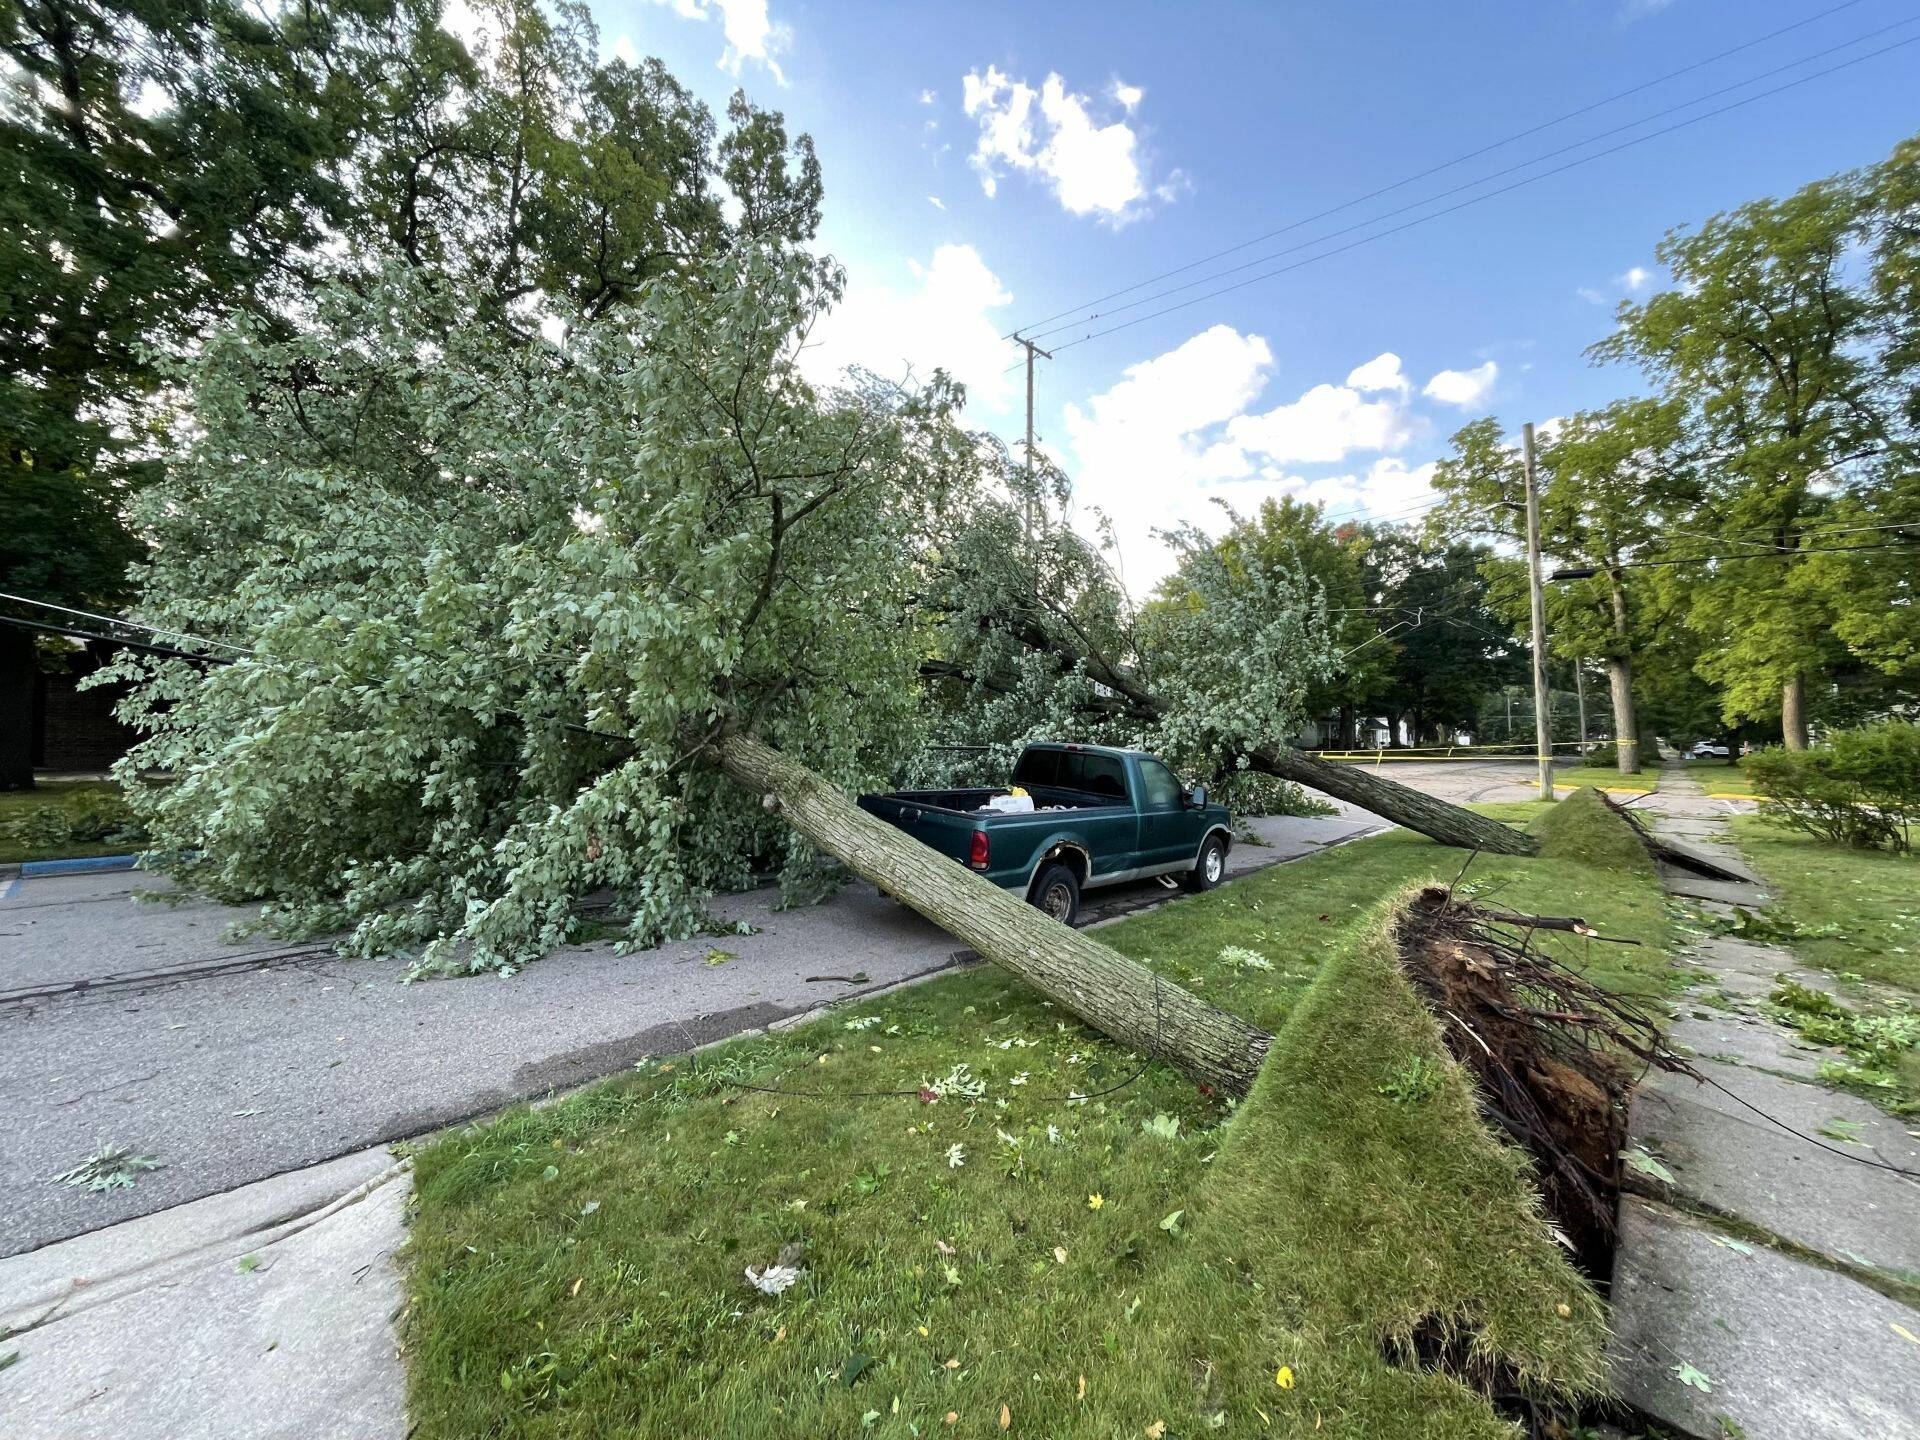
(1786, 1351)
(263, 1311)
(1726, 1158)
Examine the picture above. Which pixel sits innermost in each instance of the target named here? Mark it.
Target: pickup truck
(1099, 817)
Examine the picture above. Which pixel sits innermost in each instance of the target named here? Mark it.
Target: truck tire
(1209, 867)
(1056, 890)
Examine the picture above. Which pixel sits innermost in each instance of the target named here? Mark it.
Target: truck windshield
(1081, 770)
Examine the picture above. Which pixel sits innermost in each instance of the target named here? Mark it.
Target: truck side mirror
(1197, 797)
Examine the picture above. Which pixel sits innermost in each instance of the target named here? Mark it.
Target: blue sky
(988, 165)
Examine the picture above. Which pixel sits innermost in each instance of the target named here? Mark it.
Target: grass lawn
(65, 797)
(1010, 1259)
(1719, 778)
(1858, 910)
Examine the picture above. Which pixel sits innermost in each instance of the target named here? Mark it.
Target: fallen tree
(1120, 997)
(1037, 635)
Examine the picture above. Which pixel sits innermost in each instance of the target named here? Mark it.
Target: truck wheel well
(1072, 856)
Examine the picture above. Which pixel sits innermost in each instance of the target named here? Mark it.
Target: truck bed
(973, 802)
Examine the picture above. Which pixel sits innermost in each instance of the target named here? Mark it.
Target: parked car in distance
(1099, 816)
(1709, 750)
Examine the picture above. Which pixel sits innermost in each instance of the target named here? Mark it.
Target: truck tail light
(977, 857)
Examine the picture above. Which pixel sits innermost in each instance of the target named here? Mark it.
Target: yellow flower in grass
(1094, 1202)
(1283, 1377)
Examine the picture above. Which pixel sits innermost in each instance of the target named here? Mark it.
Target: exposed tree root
(1554, 1055)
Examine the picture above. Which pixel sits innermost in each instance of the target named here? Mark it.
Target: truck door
(1166, 826)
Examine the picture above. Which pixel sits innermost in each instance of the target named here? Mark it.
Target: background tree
(530, 173)
(166, 163)
(1773, 352)
(1336, 561)
(1611, 484)
(1444, 643)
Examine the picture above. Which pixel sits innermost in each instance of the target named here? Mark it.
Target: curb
(85, 865)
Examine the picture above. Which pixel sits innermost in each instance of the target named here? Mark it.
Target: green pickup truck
(1099, 816)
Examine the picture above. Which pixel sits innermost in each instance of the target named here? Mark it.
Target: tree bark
(19, 670)
(1449, 824)
(1626, 725)
(1626, 737)
(1793, 713)
(1117, 996)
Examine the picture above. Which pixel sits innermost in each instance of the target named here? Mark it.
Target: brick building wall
(74, 729)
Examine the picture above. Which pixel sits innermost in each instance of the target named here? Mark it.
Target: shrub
(1862, 790)
(86, 819)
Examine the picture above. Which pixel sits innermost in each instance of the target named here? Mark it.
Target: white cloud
(1178, 433)
(936, 202)
(1051, 132)
(1327, 423)
(1383, 372)
(623, 49)
(1129, 96)
(941, 321)
(750, 32)
(1635, 280)
(927, 97)
(1464, 388)
(1389, 487)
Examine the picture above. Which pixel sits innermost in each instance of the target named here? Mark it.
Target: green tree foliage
(1337, 561)
(1032, 637)
(167, 161)
(496, 598)
(1776, 352)
(532, 173)
(1447, 645)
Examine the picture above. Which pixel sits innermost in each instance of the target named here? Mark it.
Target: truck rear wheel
(1056, 890)
(1210, 867)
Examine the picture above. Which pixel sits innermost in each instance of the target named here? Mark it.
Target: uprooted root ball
(1552, 1054)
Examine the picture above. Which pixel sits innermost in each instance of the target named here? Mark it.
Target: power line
(114, 620)
(1449, 164)
(1480, 180)
(1491, 194)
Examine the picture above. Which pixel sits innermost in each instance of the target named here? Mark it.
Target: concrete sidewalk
(1758, 1291)
(263, 1312)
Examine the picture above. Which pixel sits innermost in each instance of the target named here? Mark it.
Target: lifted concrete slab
(1728, 1158)
(1697, 887)
(1789, 1351)
(238, 1322)
(1709, 858)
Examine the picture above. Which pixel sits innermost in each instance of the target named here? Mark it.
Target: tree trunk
(1626, 725)
(1449, 824)
(19, 670)
(1117, 996)
(1793, 713)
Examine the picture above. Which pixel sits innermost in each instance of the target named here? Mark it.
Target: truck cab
(1099, 816)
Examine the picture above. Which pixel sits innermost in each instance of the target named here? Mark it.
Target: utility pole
(1032, 500)
(1542, 720)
